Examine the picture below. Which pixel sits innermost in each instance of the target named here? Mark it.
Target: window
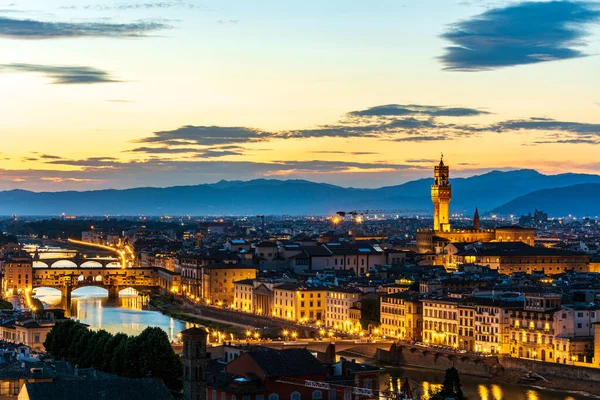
(317, 395)
(260, 397)
(214, 395)
(223, 396)
(274, 396)
(295, 396)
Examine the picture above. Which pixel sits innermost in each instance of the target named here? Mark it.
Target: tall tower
(476, 220)
(195, 360)
(441, 193)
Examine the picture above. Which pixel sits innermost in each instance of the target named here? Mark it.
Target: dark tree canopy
(148, 355)
(451, 386)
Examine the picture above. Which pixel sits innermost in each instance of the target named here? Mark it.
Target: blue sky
(365, 93)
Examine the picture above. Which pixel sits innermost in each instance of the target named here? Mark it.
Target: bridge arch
(64, 264)
(101, 291)
(91, 264)
(40, 264)
(113, 264)
(128, 291)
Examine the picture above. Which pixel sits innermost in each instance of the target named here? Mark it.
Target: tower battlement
(441, 194)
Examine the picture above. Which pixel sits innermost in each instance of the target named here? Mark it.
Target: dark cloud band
(522, 33)
(32, 29)
(63, 75)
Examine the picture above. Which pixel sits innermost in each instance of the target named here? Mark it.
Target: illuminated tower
(441, 193)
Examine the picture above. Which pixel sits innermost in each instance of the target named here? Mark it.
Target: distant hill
(579, 200)
(292, 197)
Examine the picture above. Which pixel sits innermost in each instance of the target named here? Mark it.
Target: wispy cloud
(32, 29)
(396, 110)
(547, 124)
(213, 152)
(134, 6)
(421, 160)
(207, 135)
(62, 75)
(378, 122)
(517, 34)
(354, 153)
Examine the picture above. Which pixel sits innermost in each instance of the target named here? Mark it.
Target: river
(422, 381)
(128, 314)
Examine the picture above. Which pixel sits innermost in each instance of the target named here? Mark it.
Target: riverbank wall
(426, 357)
(553, 370)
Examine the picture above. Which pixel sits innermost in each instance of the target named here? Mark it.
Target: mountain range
(505, 192)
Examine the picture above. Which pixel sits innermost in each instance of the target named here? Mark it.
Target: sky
(114, 94)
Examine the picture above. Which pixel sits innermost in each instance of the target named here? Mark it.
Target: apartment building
(440, 321)
(531, 329)
(300, 302)
(401, 315)
(338, 305)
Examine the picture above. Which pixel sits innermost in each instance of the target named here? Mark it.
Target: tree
(97, 353)
(148, 355)
(158, 357)
(110, 351)
(451, 386)
(119, 359)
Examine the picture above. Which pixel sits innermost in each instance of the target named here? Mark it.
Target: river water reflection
(127, 314)
(423, 381)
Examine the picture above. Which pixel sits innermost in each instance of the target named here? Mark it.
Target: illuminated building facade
(243, 295)
(338, 305)
(401, 315)
(440, 321)
(531, 329)
(300, 302)
(17, 272)
(218, 281)
(511, 257)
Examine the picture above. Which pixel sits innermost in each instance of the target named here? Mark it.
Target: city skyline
(105, 94)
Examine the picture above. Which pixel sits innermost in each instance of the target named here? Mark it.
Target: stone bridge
(76, 262)
(113, 279)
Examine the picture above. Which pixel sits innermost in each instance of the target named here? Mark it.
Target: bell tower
(195, 360)
(441, 193)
